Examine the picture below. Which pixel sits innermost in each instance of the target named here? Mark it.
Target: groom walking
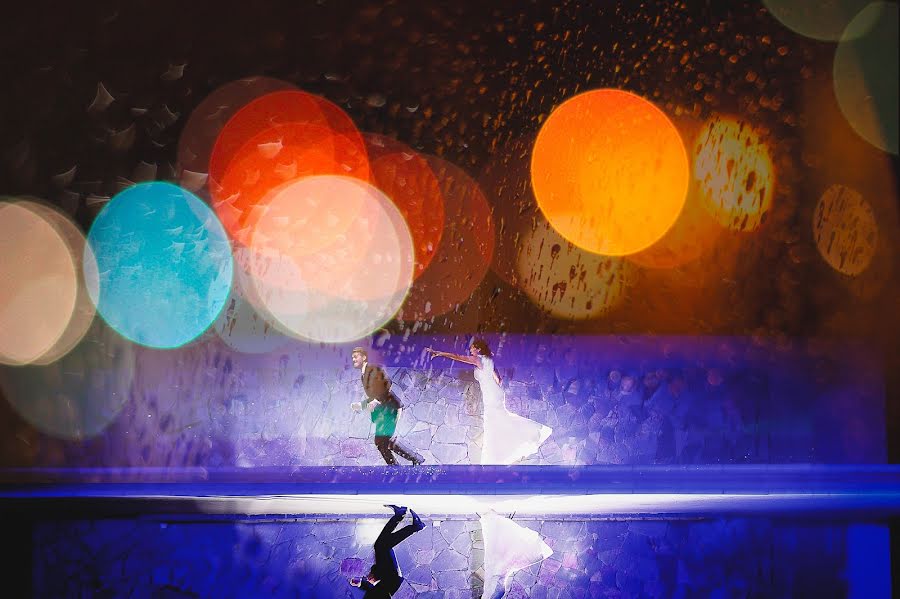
(385, 409)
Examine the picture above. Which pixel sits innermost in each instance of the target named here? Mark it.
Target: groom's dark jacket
(378, 386)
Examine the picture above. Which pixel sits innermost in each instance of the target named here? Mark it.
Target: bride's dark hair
(482, 347)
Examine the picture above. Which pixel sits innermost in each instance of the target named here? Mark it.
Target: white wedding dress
(507, 437)
(508, 548)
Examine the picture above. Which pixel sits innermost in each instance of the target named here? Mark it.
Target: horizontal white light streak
(543, 506)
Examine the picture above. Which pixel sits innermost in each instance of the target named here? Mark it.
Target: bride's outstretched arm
(467, 359)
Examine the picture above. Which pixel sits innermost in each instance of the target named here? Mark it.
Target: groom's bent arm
(379, 385)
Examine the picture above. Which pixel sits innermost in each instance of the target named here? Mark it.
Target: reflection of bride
(508, 548)
(507, 437)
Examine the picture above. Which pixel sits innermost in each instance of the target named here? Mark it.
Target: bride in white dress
(507, 437)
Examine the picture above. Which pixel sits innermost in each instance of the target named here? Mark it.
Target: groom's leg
(404, 451)
(385, 560)
(384, 447)
(404, 533)
(384, 537)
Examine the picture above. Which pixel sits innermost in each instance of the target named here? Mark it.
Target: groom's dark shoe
(417, 522)
(399, 510)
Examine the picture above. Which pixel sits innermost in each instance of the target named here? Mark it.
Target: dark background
(452, 79)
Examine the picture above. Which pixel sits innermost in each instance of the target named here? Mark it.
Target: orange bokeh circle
(406, 177)
(279, 108)
(195, 144)
(276, 156)
(568, 282)
(465, 251)
(734, 170)
(694, 233)
(609, 171)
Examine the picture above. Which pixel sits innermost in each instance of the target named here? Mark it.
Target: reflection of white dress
(508, 548)
(507, 437)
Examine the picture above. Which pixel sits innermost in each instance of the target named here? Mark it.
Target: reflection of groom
(385, 408)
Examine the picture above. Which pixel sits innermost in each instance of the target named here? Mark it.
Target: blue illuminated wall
(609, 400)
